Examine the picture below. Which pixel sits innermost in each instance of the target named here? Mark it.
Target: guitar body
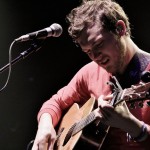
(74, 115)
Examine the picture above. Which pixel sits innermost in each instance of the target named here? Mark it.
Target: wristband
(141, 136)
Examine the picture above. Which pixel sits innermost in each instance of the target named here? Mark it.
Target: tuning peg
(112, 85)
(148, 103)
(132, 106)
(140, 104)
(145, 76)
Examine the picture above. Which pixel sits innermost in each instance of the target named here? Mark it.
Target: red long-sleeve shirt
(91, 81)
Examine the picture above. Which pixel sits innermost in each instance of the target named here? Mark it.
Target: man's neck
(131, 49)
(132, 73)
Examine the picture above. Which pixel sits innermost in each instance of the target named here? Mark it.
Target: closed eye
(99, 45)
(88, 52)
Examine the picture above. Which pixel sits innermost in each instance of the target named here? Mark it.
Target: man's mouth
(103, 61)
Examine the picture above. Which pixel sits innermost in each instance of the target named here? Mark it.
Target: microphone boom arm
(33, 48)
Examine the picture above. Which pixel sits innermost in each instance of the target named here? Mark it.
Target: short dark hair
(106, 12)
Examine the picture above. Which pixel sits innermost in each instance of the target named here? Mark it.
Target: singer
(111, 80)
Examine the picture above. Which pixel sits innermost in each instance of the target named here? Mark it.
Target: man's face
(104, 48)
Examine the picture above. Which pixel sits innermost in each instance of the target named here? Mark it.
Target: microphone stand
(33, 48)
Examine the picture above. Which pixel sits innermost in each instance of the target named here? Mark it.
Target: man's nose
(96, 55)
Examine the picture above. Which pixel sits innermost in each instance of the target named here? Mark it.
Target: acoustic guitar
(78, 120)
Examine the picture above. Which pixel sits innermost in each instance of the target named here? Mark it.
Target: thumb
(108, 97)
(100, 99)
(52, 144)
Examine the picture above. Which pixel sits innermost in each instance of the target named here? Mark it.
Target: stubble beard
(121, 61)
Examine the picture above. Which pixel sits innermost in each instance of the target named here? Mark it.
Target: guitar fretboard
(84, 122)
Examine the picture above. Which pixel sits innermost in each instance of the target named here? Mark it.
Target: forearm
(45, 120)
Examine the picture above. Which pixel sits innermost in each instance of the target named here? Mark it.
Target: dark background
(34, 79)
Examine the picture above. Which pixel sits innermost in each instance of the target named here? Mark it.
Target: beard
(119, 65)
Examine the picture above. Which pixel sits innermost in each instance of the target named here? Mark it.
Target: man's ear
(120, 28)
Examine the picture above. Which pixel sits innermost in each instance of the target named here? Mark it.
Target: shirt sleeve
(75, 91)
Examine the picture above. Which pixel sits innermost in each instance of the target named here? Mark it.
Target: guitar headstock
(138, 93)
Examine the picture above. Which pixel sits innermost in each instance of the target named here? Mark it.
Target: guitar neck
(84, 122)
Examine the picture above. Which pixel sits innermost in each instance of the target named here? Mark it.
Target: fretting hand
(119, 116)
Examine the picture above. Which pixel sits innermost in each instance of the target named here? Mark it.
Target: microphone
(55, 30)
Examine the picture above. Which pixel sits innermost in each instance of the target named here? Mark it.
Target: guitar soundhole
(91, 137)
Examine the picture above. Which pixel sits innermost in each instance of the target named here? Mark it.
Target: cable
(10, 66)
(29, 145)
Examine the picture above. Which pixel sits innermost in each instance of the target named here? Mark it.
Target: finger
(141, 83)
(133, 87)
(43, 146)
(51, 147)
(51, 144)
(100, 99)
(35, 145)
(106, 112)
(105, 105)
(104, 117)
(108, 97)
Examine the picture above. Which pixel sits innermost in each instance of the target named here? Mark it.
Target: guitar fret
(84, 122)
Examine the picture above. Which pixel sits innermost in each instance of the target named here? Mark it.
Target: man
(102, 30)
